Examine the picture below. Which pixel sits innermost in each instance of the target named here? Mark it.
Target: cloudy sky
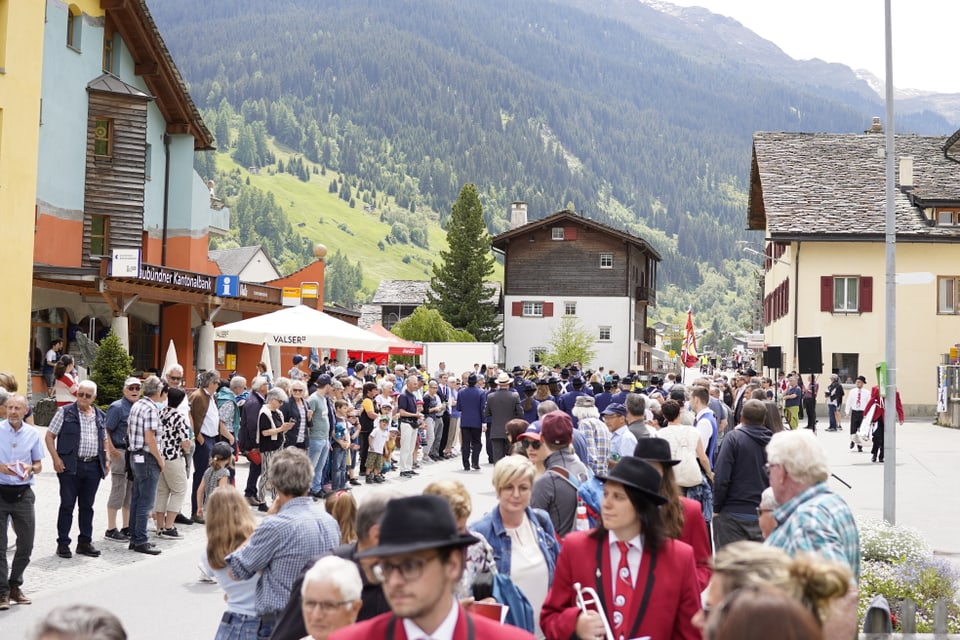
(852, 32)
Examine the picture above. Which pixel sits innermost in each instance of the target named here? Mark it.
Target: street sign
(309, 290)
(228, 286)
(290, 296)
(125, 263)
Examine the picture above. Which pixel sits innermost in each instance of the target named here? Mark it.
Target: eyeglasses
(298, 390)
(85, 394)
(325, 606)
(176, 378)
(410, 569)
(531, 444)
(134, 387)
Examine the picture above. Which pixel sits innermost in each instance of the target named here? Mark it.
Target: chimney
(518, 214)
(875, 126)
(906, 172)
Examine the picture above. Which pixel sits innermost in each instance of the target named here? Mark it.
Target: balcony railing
(646, 294)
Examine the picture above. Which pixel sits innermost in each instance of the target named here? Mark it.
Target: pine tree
(111, 367)
(457, 288)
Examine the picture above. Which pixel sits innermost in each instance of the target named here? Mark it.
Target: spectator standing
(555, 492)
(145, 461)
(249, 437)
(272, 427)
(76, 440)
(121, 486)
(206, 427)
(21, 454)
(174, 439)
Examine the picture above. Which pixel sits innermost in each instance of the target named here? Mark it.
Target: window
(533, 309)
(103, 137)
(569, 308)
(947, 294)
(606, 261)
(604, 335)
(846, 294)
(537, 354)
(147, 161)
(556, 233)
(947, 217)
(108, 54)
(99, 235)
(74, 24)
(846, 365)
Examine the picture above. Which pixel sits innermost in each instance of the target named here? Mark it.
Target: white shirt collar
(636, 542)
(443, 632)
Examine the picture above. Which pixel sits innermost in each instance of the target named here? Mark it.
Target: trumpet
(587, 596)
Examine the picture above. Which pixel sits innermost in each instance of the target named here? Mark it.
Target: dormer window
(948, 217)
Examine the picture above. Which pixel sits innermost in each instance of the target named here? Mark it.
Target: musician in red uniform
(646, 582)
(420, 558)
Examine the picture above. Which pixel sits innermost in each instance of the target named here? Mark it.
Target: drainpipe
(166, 197)
(796, 300)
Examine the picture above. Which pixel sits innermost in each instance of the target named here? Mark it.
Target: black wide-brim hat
(655, 450)
(415, 524)
(639, 475)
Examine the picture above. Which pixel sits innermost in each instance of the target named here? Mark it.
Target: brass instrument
(587, 596)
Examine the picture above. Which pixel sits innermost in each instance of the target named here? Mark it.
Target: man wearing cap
(471, 401)
(556, 490)
(856, 403)
(116, 445)
(420, 559)
(622, 441)
(76, 440)
(502, 406)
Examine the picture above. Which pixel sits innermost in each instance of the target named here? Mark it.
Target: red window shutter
(547, 309)
(517, 308)
(570, 233)
(866, 294)
(826, 293)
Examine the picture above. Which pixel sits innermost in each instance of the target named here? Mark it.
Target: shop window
(74, 26)
(99, 235)
(103, 137)
(846, 365)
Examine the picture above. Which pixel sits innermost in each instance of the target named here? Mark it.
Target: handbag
(254, 456)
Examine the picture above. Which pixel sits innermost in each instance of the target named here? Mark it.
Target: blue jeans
(78, 487)
(318, 452)
(832, 414)
(146, 474)
(236, 626)
(338, 470)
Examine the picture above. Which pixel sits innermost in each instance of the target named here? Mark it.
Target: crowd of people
(623, 509)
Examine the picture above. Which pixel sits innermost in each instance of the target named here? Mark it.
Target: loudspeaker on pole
(810, 359)
(773, 357)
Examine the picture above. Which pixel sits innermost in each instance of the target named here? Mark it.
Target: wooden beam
(115, 305)
(146, 68)
(107, 5)
(175, 128)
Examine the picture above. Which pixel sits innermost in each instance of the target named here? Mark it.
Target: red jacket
(875, 399)
(695, 534)
(377, 628)
(674, 599)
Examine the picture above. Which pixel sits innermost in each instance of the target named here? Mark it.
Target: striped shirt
(818, 521)
(144, 415)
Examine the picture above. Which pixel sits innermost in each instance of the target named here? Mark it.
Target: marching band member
(645, 582)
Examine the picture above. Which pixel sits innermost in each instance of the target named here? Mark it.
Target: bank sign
(177, 278)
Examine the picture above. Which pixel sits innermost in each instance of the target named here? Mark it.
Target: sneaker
(170, 534)
(204, 576)
(116, 536)
(371, 479)
(379, 479)
(126, 531)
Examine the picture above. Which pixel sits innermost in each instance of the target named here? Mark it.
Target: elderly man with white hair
(331, 596)
(76, 440)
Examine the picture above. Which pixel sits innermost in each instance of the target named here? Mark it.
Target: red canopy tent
(398, 347)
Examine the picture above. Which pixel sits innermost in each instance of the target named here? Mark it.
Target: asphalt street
(160, 597)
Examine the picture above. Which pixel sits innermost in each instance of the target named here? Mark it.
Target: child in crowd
(343, 507)
(340, 446)
(378, 445)
(216, 475)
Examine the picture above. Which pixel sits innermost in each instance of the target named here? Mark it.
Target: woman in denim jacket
(524, 544)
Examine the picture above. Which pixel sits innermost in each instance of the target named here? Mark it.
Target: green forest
(390, 107)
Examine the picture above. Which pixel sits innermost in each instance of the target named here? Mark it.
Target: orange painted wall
(58, 242)
(183, 252)
(176, 322)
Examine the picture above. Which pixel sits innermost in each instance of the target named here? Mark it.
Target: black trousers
(470, 446)
(498, 448)
(810, 408)
(486, 438)
(364, 448)
(445, 436)
(77, 488)
(878, 441)
(253, 477)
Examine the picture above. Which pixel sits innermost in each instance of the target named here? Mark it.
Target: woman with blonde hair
(813, 581)
(343, 507)
(229, 524)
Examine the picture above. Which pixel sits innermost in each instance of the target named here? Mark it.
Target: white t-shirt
(528, 569)
(378, 439)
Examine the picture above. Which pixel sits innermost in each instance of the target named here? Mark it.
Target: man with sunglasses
(77, 441)
(120, 485)
(419, 561)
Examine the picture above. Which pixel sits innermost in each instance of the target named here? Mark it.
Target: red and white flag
(688, 355)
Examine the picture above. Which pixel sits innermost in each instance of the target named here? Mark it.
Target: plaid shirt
(89, 441)
(143, 415)
(280, 547)
(598, 445)
(818, 521)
